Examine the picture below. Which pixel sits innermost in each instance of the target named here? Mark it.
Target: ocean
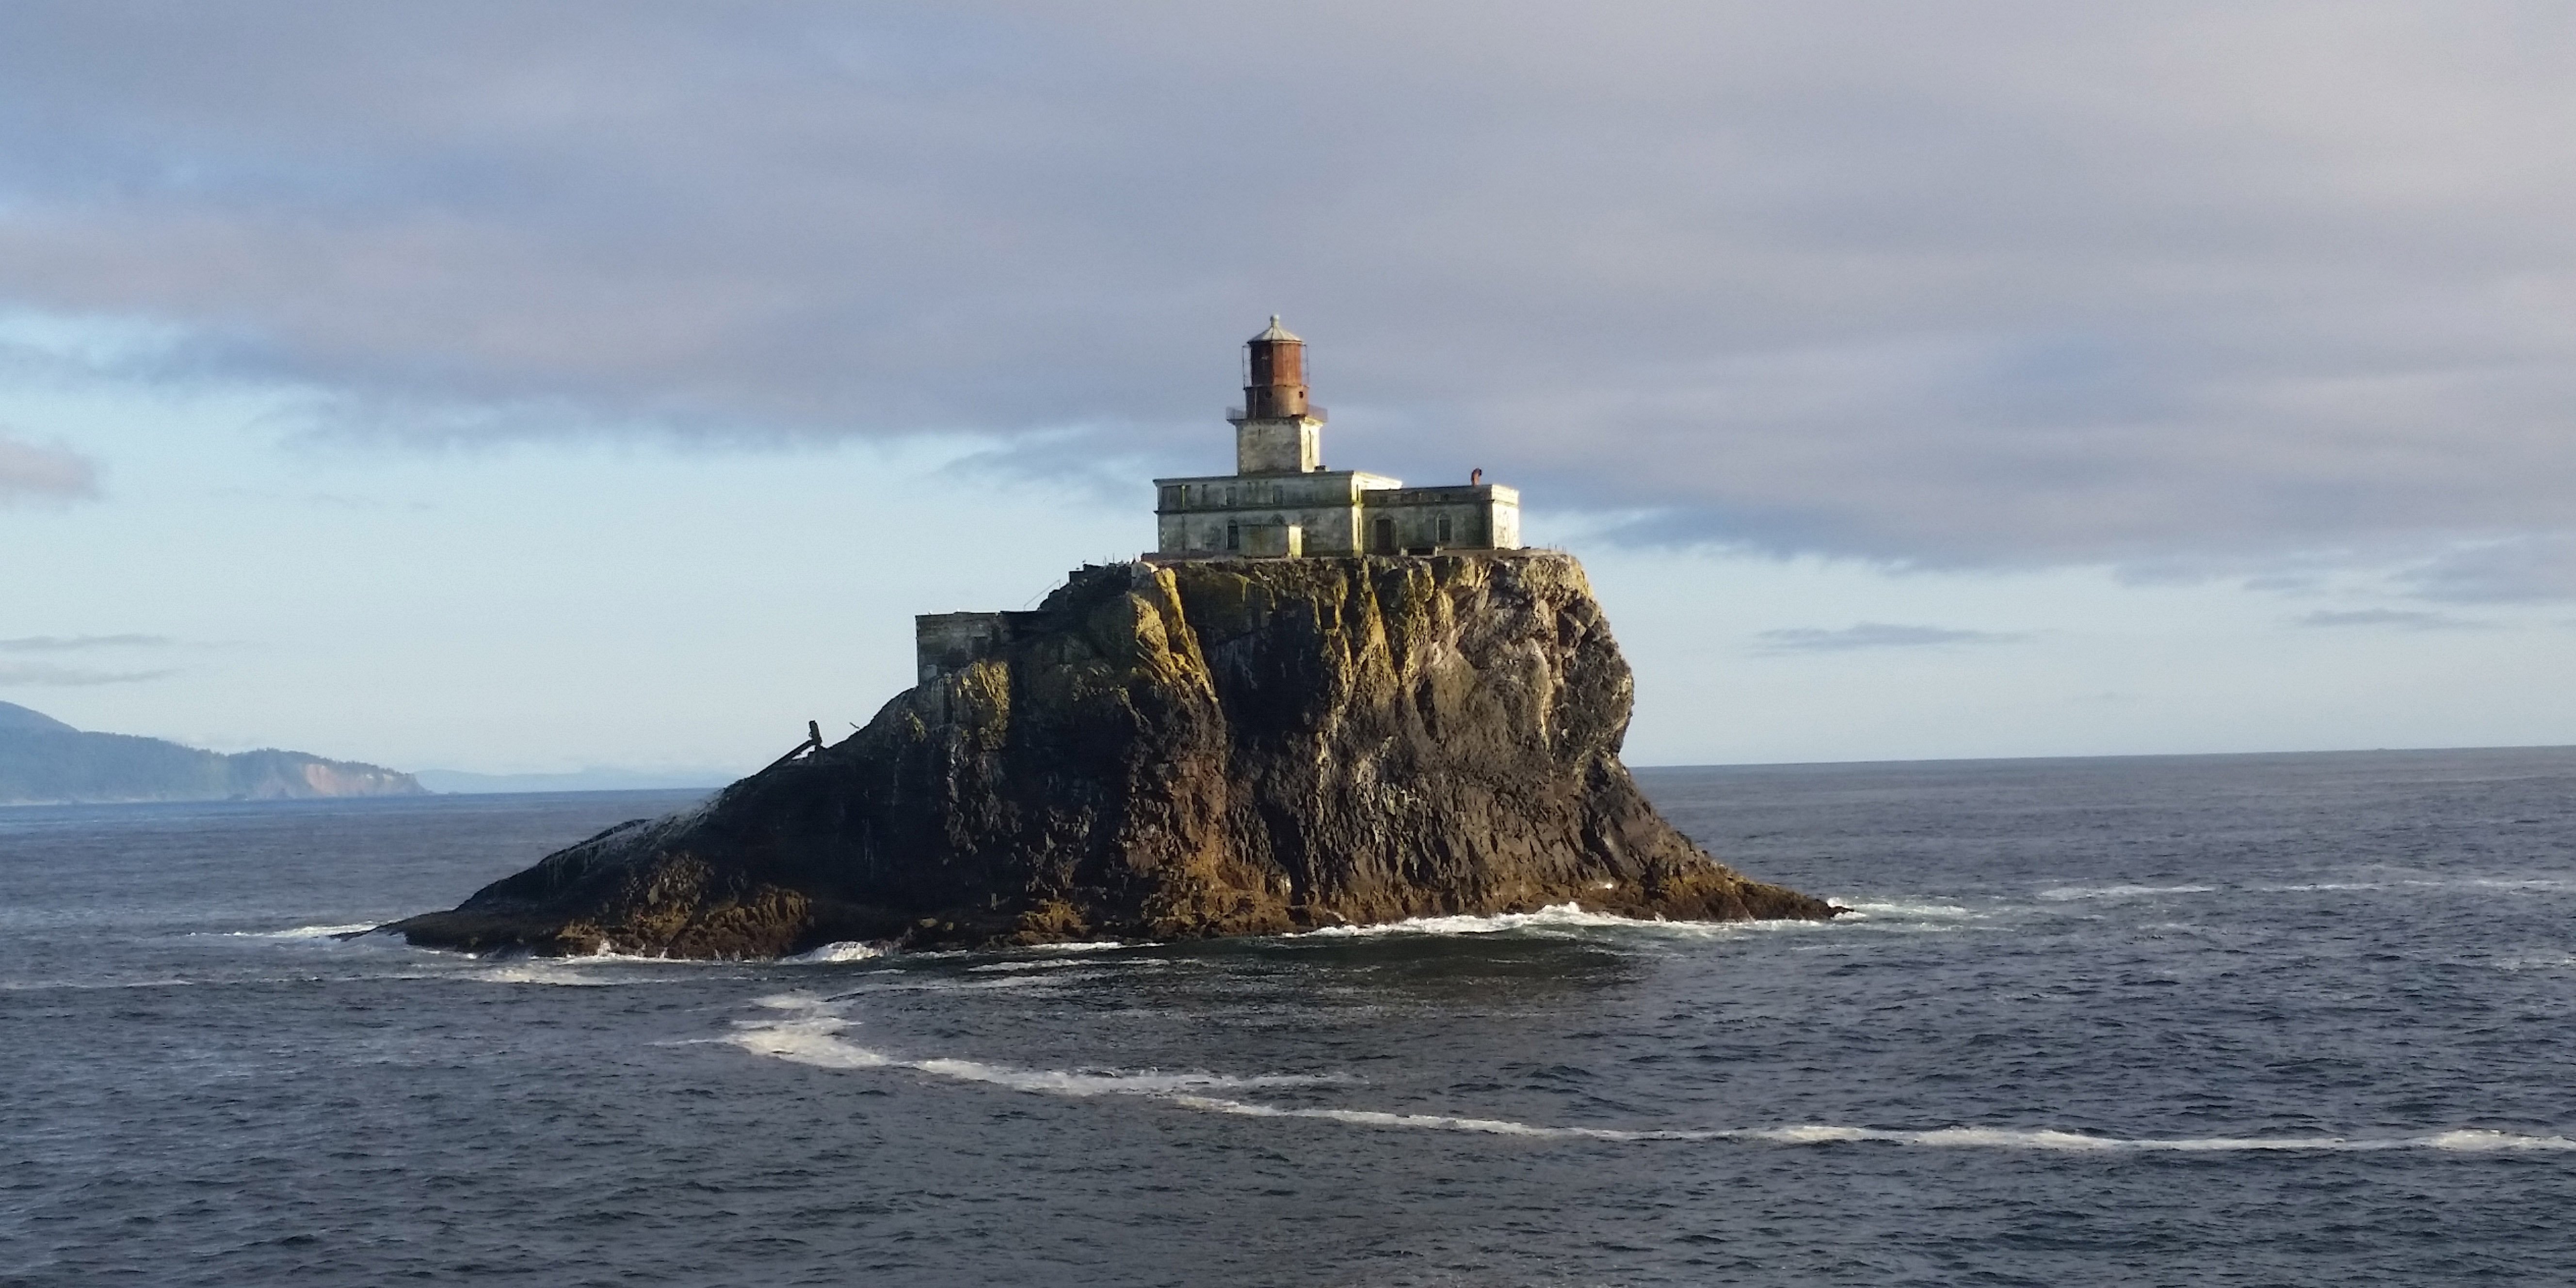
(2208, 1020)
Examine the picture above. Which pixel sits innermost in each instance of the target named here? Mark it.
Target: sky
(524, 387)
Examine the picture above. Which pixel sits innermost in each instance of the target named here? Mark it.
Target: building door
(1383, 537)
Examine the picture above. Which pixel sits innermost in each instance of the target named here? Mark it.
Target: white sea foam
(2068, 1141)
(2488, 883)
(540, 972)
(893, 981)
(610, 956)
(1085, 946)
(1100, 1083)
(2023, 1138)
(844, 951)
(810, 1032)
(815, 1038)
(1559, 916)
(2063, 893)
(1426, 1122)
(2430, 883)
(1864, 909)
(2479, 1141)
(304, 932)
(1562, 918)
(593, 970)
(1061, 963)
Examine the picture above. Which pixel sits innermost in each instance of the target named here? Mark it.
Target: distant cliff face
(1199, 749)
(44, 761)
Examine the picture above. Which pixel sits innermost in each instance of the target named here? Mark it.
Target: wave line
(812, 1035)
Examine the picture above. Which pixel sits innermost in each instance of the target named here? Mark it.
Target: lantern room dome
(1276, 332)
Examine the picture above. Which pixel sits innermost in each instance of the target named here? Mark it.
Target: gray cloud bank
(45, 674)
(1963, 284)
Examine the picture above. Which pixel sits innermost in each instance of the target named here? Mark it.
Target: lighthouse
(1281, 503)
(1276, 430)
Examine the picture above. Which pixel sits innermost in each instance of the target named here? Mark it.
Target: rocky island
(1326, 699)
(1174, 751)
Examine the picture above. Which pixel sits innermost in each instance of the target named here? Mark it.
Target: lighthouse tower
(1281, 503)
(1276, 430)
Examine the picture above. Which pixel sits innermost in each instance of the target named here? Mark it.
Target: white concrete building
(1281, 502)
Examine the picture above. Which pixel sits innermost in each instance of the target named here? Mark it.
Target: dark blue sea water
(2240, 1020)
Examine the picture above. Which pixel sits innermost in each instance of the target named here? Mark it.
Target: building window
(1234, 536)
(1444, 530)
(1229, 496)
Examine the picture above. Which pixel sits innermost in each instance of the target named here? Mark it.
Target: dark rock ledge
(1171, 752)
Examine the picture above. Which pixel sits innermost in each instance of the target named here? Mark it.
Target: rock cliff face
(1168, 752)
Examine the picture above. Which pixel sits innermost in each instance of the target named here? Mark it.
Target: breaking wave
(844, 951)
(1558, 917)
(593, 970)
(1553, 916)
(305, 932)
(530, 972)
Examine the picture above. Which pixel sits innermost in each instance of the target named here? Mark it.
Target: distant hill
(44, 761)
(18, 719)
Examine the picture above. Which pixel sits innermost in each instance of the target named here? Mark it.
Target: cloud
(2523, 570)
(1810, 639)
(30, 471)
(2406, 619)
(14, 674)
(75, 643)
(1977, 284)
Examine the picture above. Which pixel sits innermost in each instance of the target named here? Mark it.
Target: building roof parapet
(1366, 480)
(1440, 493)
(1165, 558)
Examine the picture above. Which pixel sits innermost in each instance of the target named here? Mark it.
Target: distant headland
(1325, 699)
(44, 761)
